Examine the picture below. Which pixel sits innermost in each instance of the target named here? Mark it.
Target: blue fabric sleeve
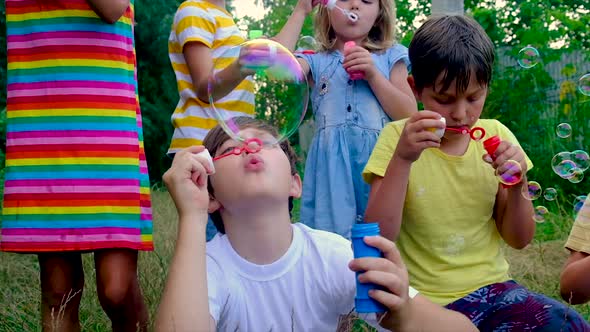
(309, 58)
(396, 53)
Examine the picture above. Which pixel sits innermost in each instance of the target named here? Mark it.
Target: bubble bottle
(255, 34)
(363, 302)
(514, 174)
(353, 74)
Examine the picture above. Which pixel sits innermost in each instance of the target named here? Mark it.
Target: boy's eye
(227, 149)
(443, 100)
(472, 99)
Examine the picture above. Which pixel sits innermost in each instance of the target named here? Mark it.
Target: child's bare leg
(62, 281)
(118, 289)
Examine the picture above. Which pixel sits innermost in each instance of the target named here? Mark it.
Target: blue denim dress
(348, 119)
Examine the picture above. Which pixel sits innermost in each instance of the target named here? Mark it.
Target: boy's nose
(459, 113)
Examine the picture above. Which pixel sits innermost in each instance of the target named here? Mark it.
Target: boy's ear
(214, 204)
(413, 86)
(295, 191)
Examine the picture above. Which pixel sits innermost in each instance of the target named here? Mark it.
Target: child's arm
(388, 194)
(289, 34)
(574, 281)
(405, 314)
(185, 304)
(109, 10)
(200, 63)
(394, 95)
(513, 213)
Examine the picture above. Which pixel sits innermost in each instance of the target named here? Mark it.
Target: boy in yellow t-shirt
(442, 204)
(574, 283)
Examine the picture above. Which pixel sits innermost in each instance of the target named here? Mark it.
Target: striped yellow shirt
(579, 239)
(214, 27)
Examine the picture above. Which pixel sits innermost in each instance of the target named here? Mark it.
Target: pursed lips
(254, 163)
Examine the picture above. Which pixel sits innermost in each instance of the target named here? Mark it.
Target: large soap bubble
(275, 78)
(532, 190)
(563, 130)
(540, 213)
(509, 173)
(550, 194)
(562, 164)
(307, 44)
(581, 159)
(528, 57)
(578, 203)
(584, 84)
(577, 175)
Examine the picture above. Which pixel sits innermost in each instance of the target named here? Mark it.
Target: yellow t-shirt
(201, 21)
(448, 238)
(579, 239)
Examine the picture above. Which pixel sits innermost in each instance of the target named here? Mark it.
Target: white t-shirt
(307, 289)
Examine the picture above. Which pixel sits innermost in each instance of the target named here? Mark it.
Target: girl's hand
(255, 57)
(418, 135)
(306, 6)
(186, 181)
(390, 273)
(506, 151)
(357, 58)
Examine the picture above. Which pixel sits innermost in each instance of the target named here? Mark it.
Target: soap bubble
(528, 57)
(307, 44)
(563, 130)
(584, 84)
(557, 163)
(278, 86)
(532, 190)
(540, 213)
(566, 169)
(577, 176)
(509, 173)
(550, 194)
(578, 203)
(581, 159)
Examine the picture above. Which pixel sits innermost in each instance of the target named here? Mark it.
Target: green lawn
(537, 267)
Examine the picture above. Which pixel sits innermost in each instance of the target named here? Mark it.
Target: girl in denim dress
(349, 113)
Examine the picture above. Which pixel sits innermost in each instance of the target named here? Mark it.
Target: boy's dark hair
(217, 136)
(455, 45)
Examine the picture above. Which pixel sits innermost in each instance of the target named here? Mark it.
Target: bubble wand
(490, 145)
(331, 4)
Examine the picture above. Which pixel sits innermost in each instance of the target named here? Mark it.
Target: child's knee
(61, 295)
(116, 293)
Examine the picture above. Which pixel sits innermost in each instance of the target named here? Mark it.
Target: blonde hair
(380, 37)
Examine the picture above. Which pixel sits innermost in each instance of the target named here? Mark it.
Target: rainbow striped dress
(76, 174)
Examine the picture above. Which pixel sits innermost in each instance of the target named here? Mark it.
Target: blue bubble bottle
(363, 302)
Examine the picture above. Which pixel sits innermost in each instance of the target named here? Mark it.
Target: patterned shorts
(508, 306)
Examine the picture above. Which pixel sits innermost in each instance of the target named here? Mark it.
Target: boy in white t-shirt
(262, 273)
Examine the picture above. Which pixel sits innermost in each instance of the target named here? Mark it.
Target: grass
(536, 267)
